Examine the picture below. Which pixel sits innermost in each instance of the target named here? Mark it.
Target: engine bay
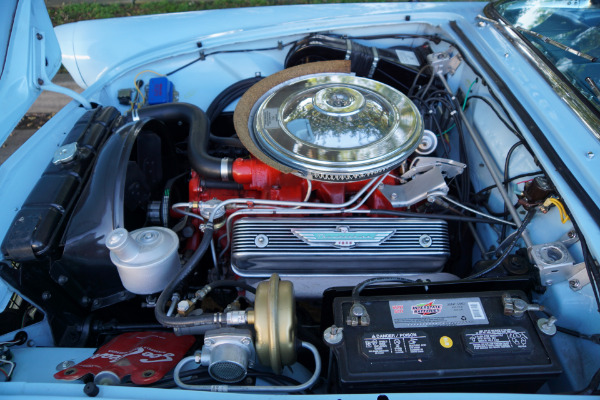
(349, 223)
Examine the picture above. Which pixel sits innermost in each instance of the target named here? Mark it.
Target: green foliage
(80, 12)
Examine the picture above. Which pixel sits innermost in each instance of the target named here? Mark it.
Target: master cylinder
(228, 352)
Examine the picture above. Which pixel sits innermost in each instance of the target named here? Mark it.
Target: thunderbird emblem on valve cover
(342, 237)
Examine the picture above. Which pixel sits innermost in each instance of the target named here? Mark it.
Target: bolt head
(481, 24)
(246, 341)
(333, 335)
(425, 241)
(574, 284)
(590, 155)
(358, 310)
(65, 364)
(209, 342)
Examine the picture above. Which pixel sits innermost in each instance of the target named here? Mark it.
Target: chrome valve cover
(338, 246)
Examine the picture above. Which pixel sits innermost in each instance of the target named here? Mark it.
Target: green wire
(463, 107)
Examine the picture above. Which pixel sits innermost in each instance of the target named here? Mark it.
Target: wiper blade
(544, 39)
(553, 42)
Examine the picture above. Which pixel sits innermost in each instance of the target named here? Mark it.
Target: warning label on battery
(502, 340)
(438, 312)
(403, 345)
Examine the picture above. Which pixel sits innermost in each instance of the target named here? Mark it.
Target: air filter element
(335, 127)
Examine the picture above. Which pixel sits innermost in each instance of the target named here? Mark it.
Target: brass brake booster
(274, 320)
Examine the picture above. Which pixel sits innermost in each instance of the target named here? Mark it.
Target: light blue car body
(102, 55)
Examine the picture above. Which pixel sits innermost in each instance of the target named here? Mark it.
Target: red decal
(145, 356)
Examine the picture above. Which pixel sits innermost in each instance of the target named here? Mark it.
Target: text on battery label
(438, 312)
(497, 340)
(476, 311)
(396, 344)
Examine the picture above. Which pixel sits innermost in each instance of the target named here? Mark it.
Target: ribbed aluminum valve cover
(326, 246)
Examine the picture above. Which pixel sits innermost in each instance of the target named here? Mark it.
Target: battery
(443, 342)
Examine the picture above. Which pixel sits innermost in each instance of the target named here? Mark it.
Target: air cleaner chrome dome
(335, 127)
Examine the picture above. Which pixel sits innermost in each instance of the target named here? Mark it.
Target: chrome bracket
(554, 262)
(429, 183)
(425, 178)
(444, 63)
(580, 279)
(449, 168)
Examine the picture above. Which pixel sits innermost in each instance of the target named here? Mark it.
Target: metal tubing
(258, 389)
(489, 162)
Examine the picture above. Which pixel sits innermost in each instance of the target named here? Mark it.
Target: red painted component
(263, 182)
(145, 356)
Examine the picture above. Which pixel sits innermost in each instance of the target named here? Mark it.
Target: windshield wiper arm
(553, 42)
(594, 87)
(544, 39)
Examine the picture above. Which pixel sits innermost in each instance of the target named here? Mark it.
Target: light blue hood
(29, 58)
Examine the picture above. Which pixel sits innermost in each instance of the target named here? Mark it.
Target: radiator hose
(204, 164)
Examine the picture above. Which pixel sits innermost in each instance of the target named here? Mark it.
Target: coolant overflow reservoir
(146, 258)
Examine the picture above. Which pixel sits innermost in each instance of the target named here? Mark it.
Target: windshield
(572, 23)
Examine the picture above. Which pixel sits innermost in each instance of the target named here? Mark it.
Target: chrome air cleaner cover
(335, 127)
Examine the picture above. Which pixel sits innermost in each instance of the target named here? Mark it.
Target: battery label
(438, 312)
(397, 345)
(502, 340)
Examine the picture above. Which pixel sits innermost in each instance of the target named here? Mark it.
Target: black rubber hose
(228, 95)
(109, 326)
(359, 288)
(188, 267)
(225, 98)
(203, 163)
(233, 284)
(512, 244)
(227, 141)
(506, 174)
(221, 185)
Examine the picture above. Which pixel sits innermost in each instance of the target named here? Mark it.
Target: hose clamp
(225, 169)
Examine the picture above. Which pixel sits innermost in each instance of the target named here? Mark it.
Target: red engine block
(263, 182)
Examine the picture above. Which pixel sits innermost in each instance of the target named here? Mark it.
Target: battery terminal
(518, 307)
(358, 315)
